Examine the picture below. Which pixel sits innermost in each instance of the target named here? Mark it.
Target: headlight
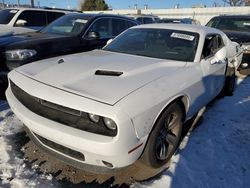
(20, 54)
(104, 124)
(110, 124)
(94, 118)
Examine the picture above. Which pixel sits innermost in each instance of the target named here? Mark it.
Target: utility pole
(69, 4)
(18, 3)
(32, 3)
(3, 4)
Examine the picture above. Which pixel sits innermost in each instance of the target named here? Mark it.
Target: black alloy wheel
(165, 137)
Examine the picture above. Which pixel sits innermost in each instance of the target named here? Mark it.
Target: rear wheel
(230, 80)
(164, 138)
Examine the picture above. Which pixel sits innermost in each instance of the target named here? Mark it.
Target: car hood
(238, 36)
(78, 73)
(17, 40)
(16, 30)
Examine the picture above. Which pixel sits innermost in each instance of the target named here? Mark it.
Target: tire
(164, 138)
(230, 80)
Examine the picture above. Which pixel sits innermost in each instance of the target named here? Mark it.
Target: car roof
(39, 9)
(202, 30)
(110, 15)
(233, 16)
(142, 16)
(100, 15)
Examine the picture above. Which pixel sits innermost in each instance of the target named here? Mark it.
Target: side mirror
(20, 23)
(221, 55)
(109, 41)
(92, 35)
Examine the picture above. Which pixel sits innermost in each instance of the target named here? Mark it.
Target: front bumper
(90, 168)
(96, 149)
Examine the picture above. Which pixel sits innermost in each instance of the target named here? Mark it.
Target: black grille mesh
(60, 148)
(60, 114)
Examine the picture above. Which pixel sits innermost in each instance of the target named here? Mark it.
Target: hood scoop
(108, 73)
(60, 61)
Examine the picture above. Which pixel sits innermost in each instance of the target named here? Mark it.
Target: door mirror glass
(92, 35)
(109, 41)
(219, 56)
(20, 23)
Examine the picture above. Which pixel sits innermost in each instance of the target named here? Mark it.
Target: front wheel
(164, 138)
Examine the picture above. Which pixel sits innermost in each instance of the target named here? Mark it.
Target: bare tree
(234, 3)
(216, 4)
(80, 3)
(90, 5)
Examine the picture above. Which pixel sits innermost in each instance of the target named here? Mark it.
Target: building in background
(247, 3)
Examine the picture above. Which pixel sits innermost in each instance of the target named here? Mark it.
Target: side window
(220, 42)
(212, 44)
(118, 26)
(139, 19)
(157, 20)
(147, 20)
(213, 22)
(102, 26)
(33, 18)
(51, 16)
(131, 24)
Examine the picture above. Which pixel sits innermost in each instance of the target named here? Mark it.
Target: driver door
(101, 26)
(213, 69)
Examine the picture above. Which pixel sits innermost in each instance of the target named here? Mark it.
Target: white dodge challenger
(105, 109)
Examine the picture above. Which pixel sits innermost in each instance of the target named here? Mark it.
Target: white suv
(21, 20)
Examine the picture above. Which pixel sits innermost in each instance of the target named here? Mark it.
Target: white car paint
(6, 29)
(133, 100)
(11, 28)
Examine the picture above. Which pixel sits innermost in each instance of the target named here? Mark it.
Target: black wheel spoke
(171, 139)
(163, 151)
(172, 122)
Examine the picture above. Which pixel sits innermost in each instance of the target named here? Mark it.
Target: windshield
(68, 25)
(233, 24)
(6, 15)
(157, 43)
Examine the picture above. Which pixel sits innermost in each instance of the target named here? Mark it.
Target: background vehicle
(145, 19)
(237, 28)
(69, 34)
(183, 20)
(168, 71)
(23, 20)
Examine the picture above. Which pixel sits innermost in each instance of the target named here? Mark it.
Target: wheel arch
(182, 100)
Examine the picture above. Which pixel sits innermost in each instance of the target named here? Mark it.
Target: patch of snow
(13, 171)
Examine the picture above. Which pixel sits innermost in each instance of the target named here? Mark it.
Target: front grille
(60, 148)
(64, 115)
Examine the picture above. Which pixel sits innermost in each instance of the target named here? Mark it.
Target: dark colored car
(71, 33)
(179, 20)
(237, 28)
(145, 19)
